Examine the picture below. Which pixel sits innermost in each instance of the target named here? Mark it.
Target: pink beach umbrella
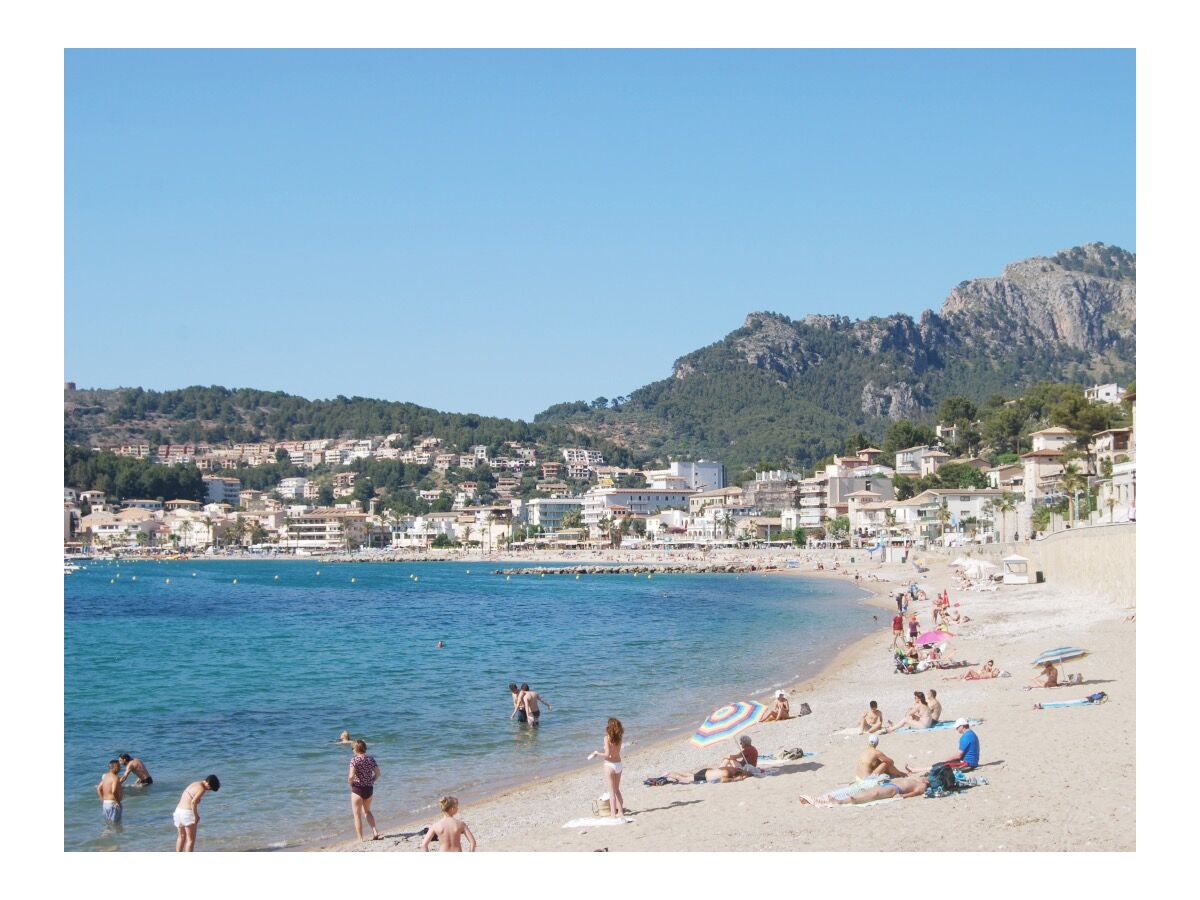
(933, 637)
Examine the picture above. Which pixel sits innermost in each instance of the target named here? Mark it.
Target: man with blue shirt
(967, 757)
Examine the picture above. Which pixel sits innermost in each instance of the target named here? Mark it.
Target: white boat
(69, 567)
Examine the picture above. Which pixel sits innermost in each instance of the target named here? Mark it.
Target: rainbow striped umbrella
(728, 721)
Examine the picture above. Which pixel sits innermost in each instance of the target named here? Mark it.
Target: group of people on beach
(111, 791)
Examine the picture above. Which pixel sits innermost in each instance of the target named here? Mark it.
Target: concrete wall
(1101, 559)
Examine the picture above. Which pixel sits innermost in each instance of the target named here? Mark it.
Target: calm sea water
(253, 681)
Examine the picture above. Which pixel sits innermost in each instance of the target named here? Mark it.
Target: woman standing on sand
(364, 772)
(614, 734)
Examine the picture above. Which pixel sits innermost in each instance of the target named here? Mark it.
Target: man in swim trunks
(719, 775)
(110, 790)
(518, 704)
(872, 720)
(909, 786)
(875, 762)
(967, 757)
(136, 767)
(530, 699)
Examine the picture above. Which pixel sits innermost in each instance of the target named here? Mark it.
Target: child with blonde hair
(448, 830)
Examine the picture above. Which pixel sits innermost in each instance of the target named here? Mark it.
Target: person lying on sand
(875, 762)
(779, 709)
(719, 775)
(872, 720)
(448, 830)
(1047, 678)
(908, 786)
(988, 670)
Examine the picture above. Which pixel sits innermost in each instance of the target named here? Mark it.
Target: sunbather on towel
(988, 670)
(875, 762)
(721, 775)
(1047, 678)
(909, 786)
(779, 709)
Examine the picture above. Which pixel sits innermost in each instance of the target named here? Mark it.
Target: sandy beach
(1052, 780)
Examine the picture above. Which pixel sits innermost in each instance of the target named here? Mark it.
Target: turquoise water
(253, 681)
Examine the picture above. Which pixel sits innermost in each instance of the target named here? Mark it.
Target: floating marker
(235, 581)
(112, 581)
(415, 578)
(353, 581)
(135, 578)
(508, 578)
(468, 571)
(576, 577)
(649, 577)
(168, 581)
(276, 577)
(193, 574)
(318, 571)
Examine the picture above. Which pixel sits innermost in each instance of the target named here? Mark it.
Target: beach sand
(1059, 779)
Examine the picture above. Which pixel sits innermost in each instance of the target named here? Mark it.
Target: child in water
(448, 830)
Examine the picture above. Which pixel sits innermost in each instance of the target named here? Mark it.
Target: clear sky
(494, 232)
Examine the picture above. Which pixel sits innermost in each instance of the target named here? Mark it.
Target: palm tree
(727, 523)
(603, 522)
(1072, 481)
(989, 511)
(662, 531)
(208, 523)
(1005, 503)
(943, 517)
(1110, 503)
(467, 535)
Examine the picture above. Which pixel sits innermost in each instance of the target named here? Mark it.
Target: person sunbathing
(719, 775)
(779, 709)
(919, 716)
(1047, 678)
(875, 762)
(908, 786)
(988, 670)
(872, 720)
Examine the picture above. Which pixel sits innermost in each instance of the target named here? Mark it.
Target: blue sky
(498, 231)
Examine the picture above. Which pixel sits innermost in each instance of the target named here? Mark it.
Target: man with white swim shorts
(111, 792)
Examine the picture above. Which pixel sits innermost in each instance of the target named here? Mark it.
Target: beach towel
(938, 727)
(598, 823)
(1090, 700)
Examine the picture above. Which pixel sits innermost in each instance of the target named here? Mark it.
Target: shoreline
(852, 652)
(1024, 806)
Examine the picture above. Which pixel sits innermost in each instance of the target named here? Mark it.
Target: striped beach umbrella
(728, 721)
(1059, 655)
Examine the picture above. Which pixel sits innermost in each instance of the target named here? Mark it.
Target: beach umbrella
(933, 637)
(728, 721)
(1060, 655)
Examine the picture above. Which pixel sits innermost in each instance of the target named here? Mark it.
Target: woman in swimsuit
(988, 670)
(187, 813)
(919, 716)
(364, 772)
(614, 734)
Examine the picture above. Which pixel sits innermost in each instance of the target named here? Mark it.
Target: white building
(1112, 394)
(908, 460)
(702, 475)
(636, 501)
(292, 488)
(223, 490)
(547, 512)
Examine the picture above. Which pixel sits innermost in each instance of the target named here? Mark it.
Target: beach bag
(805, 710)
(602, 806)
(941, 780)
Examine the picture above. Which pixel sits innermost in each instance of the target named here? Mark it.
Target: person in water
(111, 792)
(449, 830)
(518, 704)
(135, 767)
(187, 812)
(344, 738)
(530, 699)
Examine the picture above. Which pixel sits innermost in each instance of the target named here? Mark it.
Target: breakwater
(729, 569)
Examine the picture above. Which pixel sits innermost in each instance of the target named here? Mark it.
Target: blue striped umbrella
(1060, 654)
(728, 721)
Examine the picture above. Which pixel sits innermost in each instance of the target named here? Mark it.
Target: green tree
(957, 410)
(943, 517)
(1073, 480)
(838, 527)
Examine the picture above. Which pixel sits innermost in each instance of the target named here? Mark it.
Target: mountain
(776, 389)
(791, 390)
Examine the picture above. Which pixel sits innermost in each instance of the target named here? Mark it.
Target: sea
(250, 669)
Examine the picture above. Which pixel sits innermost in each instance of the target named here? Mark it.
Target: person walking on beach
(135, 767)
(897, 629)
(530, 699)
(448, 830)
(364, 772)
(614, 735)
(518, 700)
(111, 791)
(187, 812)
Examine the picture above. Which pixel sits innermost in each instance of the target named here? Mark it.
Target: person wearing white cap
(967, 757)
(779, 709)
(875, 762)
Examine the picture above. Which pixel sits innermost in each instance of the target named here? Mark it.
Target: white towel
(590, 823)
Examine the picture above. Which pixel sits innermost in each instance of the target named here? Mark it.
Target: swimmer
(344, 738)
(440, 645)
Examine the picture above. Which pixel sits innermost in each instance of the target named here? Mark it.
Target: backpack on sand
(941, 780)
